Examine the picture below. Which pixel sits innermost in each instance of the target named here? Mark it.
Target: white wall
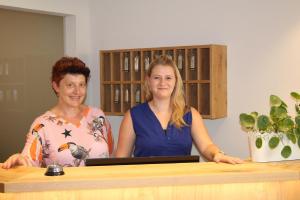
(263, 39)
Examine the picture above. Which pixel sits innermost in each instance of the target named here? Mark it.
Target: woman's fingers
(9, 162)
(6, 164)
(227, 159)
(15, 160)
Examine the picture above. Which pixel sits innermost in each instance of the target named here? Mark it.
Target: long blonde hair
(177, 101)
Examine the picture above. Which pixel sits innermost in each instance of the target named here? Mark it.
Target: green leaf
(295, 95)
(286, 151)
(254, 114)
(292, 137)
(297, 131)
(273, 142)
(278, 113)
(247, 121)
(285, 125)
(258, 142)
(297, 120)
(263, 122)
(275, 101)
(283, 104)
(297, 109)
(298, 142)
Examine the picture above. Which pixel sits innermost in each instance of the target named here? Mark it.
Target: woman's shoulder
(187, 111)
(90, 110)
(191, 113)
(187, 114)
(43, 118)
(139, 110)
(195, 114)
(139, 107)
(193, 110)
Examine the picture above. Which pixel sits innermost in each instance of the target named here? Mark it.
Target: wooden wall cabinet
(203, 69)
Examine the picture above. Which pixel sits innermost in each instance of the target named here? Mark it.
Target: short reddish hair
(69, 65)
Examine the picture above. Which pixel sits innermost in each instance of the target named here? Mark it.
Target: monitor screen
(140, 160)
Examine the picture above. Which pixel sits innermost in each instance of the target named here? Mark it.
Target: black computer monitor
(140, 160)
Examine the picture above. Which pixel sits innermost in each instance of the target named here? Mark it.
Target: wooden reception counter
(280, 180)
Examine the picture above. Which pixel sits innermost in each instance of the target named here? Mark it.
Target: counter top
(30, 179)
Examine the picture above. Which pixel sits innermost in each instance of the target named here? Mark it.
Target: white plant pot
(265, 153)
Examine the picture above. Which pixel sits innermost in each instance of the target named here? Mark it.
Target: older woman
(69, 132)
(164, 125)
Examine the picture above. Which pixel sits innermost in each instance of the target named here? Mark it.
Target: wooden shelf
(203, 69)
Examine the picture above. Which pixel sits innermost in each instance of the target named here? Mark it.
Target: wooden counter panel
(286, 190)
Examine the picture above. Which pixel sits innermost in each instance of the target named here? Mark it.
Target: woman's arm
(32, 151)
(204, 143)
(126, 137)
(110, 138)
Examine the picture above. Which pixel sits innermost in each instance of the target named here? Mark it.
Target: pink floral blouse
(52, 139)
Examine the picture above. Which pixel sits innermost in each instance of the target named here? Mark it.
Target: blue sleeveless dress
(153, 140)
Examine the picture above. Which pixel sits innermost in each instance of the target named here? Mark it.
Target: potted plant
(273, 137)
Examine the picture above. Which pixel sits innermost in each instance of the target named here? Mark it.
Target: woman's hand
(221, 157)
(16, 160)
